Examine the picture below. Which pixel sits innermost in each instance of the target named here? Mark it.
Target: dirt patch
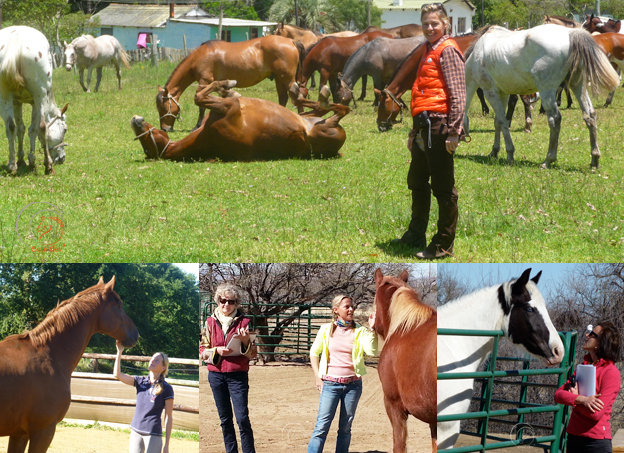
(283, 405)
(81, 440)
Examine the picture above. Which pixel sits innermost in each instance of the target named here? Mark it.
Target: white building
(402, 12)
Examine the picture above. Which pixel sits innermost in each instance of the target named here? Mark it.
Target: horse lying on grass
(248, 129)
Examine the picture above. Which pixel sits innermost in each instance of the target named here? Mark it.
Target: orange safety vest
(429, 90)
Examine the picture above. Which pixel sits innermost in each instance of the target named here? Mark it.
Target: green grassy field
(118, 207)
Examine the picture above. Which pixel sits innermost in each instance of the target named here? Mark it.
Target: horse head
(590, 23)
(386, 285)
(168, 109)
(526, 321)
(69, 56)
(345, 93)
(55, 130)
(113, 320)
(388, 110)
(154, 142)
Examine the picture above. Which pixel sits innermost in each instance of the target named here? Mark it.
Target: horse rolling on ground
(408, 378)
(612, 44)
(503, 62)
(87, 52)
(26, 78)
(246, 129)
(377, 59)
(515, 307)
(248, 62)
(36, 366)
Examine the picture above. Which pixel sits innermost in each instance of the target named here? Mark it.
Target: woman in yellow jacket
(337, 358)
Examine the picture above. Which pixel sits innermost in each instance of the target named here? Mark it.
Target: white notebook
(235, 344)
(586, 379)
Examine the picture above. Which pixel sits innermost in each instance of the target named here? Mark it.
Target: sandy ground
(283, 405)
(80, 440)
(465, 441)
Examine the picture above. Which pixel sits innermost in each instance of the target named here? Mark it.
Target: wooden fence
(103, 398)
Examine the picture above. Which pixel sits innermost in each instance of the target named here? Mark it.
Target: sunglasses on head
(228, 301)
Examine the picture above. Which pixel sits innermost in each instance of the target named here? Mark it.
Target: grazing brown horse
(249, 62)
(329, 56)
(612, 44)
(245, 129)
(408, 361)
(36, 366)
(402, 31)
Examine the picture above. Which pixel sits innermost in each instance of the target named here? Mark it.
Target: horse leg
(498, 102)
(98, 73)
(484, 107)
(118, 68)
(434, 437)
(398, 419)
(610, 97)
(568, 95)
(549, 101)
(511, 108)
(17, 444)
(333, 86)
(41, 440)
(84, 87)
(471, 89)
(363, 95)
(528, 117)
(327, 135)
(21, 130)
(282, 92)
(589, 116)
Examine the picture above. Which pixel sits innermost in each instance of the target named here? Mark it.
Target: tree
(291, 289)
(160, 299)
(231, 9)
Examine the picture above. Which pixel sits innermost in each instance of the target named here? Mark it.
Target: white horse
(26, 77)
(87, 52)
(518, 309)
(504, 62)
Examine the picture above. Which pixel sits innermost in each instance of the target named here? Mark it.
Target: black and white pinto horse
(87, 52)
(515, 307)
(26, 78)
(504, 62)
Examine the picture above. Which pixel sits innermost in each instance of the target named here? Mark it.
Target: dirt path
(81, 440)
(283, 406)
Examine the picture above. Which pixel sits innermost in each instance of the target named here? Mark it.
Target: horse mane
(209, 43)
(571, 22)
(64, 316)
(304, 29)
(407, 312)
(398, 68)
(357, 52)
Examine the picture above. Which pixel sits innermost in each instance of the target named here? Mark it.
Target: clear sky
(190, 268)
(492, 274)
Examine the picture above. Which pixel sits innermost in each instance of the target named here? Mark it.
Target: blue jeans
(235, 387)
(332, 394)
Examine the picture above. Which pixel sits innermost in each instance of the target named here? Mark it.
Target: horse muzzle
(384, 127)
(68, 67)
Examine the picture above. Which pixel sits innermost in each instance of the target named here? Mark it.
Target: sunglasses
(228, 301)
(592, 334)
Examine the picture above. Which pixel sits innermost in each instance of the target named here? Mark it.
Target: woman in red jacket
(228, 369)
(589, 430)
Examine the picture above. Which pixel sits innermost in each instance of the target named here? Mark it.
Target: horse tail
(302, 54)
(585, 55)
(11, 70)
(125, 59)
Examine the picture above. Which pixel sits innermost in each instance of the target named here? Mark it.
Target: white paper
(586, 379)
(235, 344)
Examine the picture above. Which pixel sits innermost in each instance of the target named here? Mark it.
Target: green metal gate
(555, 442)
(295, 339)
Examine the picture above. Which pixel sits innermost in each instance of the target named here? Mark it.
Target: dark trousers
(433, 163)
(233, 387)
(579, 444)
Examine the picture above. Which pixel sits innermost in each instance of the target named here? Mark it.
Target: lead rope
(179, 115)
(149, 131)
(396, 101)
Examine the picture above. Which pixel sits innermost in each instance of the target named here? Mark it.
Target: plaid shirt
(454, 73)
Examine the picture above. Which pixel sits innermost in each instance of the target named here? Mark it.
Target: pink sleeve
(563, 395)
(608, 391)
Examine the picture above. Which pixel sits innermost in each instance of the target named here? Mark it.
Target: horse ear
(518, 286)
(377, 92)
(618, 26)
(404, 275)
(378, 276)
(64, 43)
(64, 109)
(101, 282)
(110, 285)
(537, 277)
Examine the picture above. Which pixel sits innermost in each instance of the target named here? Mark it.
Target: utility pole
(369, 8)
(296, 14)
(483, 14)
(597, 7)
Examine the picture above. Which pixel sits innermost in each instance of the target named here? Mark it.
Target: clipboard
(236, 345)
(586, 379)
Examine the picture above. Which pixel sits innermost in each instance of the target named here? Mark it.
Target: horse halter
(396, 101)
(151, 134)
(57, 117)
(179, 115)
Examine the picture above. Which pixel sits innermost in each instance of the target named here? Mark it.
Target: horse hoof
(50, 171)
(21, 163)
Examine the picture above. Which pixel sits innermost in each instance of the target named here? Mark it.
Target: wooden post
(184, 39)
(155, 50)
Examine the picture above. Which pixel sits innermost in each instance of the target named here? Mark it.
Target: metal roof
(148, 16)
(214, 21)
(411, 4)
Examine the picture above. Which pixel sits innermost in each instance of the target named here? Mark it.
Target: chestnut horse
(594, 24)
(245, 129)
(561, 20)
(329, 56)
(408, 361)
(249, 62)
(402, 31)
(36, 366)
(612, 44)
